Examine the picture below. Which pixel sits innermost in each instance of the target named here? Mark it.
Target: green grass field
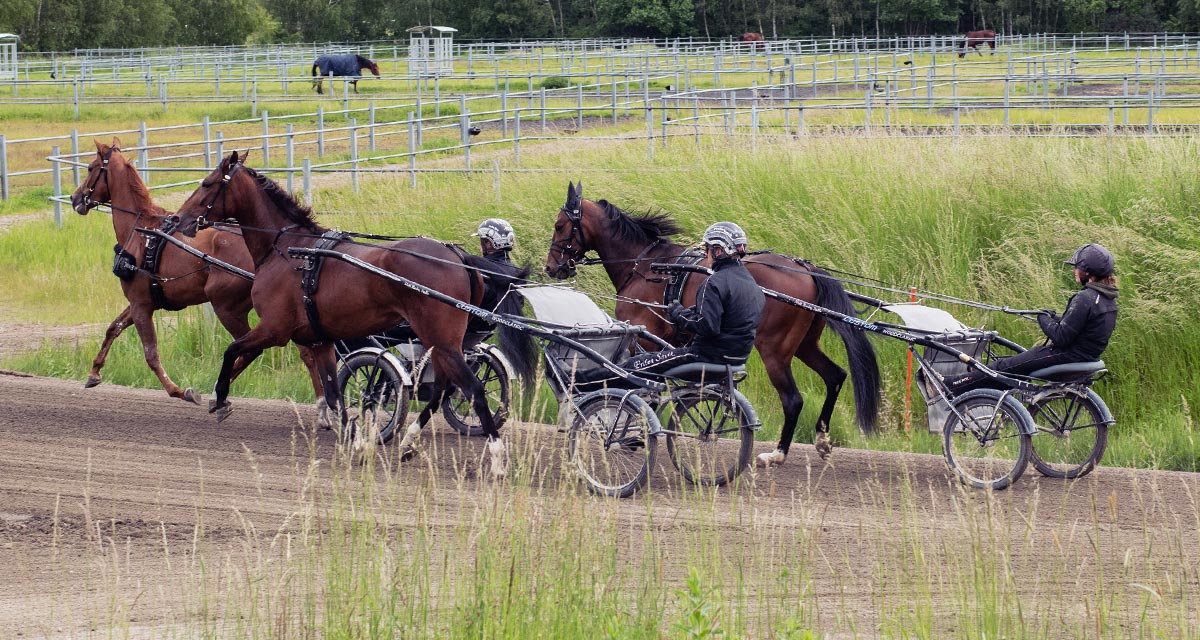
(982, 218)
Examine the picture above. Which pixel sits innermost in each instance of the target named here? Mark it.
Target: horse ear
(99, 147)
(570, 192)
(232, 159)
(116, 143)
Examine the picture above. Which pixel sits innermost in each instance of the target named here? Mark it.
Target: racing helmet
(727, 235)
(497, 231)
(1094, 259)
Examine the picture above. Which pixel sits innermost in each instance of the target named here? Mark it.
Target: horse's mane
(364, 61)
(139, 190)
(642, 227)
(286, 202)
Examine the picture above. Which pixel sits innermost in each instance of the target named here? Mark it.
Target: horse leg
(322, 362)
(143, 321)
(779, 370)
(247, 347)
(118, 326)
(354, 85)
(810, 354)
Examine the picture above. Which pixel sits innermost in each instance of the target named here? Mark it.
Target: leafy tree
(645, 18)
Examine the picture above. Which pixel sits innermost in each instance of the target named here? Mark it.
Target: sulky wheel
(1072, 432)
(989, 446)
(710, 434)
(375, 395)
(493, 375)
(610, 442)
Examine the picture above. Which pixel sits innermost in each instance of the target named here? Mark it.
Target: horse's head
(94, 190)
(370, 65)
(216, 197)
(569, 242)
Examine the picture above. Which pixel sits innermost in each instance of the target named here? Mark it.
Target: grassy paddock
(982, 218)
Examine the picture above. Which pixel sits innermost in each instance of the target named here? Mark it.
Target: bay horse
(755, 38)
(178, 279)
(348, 65)
(628, 244)
(975, 38)
(349, 303)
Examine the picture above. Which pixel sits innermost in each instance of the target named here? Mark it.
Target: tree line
(56, 25)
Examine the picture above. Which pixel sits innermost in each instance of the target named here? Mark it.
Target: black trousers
(655, 362)
(1023, 363)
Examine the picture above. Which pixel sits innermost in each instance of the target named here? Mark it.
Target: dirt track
(134, 469)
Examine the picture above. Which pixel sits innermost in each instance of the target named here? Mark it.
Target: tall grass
(981, 218)
(382, 551)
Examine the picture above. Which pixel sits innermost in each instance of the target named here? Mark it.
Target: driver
(1082, 332)
(496, 242)
(723, 320)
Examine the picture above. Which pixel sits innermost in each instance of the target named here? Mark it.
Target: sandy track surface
(136, 471)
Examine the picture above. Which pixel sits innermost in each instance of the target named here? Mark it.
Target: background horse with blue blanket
(349, 64)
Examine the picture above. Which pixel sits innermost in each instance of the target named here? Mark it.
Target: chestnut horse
(349, 303)
(975, 38)
(182, 280)
(627, 246)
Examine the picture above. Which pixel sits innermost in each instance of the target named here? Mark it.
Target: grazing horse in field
(350, 302)
(156, 275)
(349, 65)
(755, 38)
(975, 38)
(627, 246)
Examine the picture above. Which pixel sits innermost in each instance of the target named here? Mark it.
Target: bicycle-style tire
(710, 434)
(374, 394)
(991, 450)
(1072, 432)
(610, 442)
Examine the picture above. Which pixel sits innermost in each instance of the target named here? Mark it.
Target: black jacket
(725, 318)
(1087, 324)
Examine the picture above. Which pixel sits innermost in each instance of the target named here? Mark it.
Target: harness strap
(677, 282)
(311, 270)
(151, 261)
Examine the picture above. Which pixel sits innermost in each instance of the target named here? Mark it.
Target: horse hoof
(191, 396)
(499, 456)
(91, 382)
(772, 459)
(407, 452)
(824, 445)
(222, 410)
(500, 416)
(324, 420)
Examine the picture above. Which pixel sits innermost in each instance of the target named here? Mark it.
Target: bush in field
(555, 82)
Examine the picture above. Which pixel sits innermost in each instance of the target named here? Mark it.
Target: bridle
(571, 249)
(91, 188)
(202, 221)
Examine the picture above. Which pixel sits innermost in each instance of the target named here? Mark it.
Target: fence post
(412, 150)
(517, 136)
(345, 95)
(579, 106)
(650, 130)
(1006, 91)
(354, 154)
(320, 132)
(57, 187)
(371, 127)
(254, 100)
(464, 126)
(3, 167)
(75, 156)
(543, 105)
(76, 98)
(204, 127)
(220, 146)
(307, 182)
(143, 153)
(266, 140)
(162, 93)
(1111, 117)
(291, 157)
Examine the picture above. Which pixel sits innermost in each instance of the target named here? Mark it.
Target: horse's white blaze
(771, 459)
(498, 454)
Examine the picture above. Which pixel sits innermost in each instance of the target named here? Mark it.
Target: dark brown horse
(181, 279)
(628, 245)
(755, 38)
(350, 302)
(975, 38)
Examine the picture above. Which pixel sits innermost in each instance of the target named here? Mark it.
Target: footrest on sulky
(1070, 370)
(697, 371)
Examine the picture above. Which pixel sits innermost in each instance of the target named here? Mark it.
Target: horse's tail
(516, 345)
(316, 64)
(864, 366)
